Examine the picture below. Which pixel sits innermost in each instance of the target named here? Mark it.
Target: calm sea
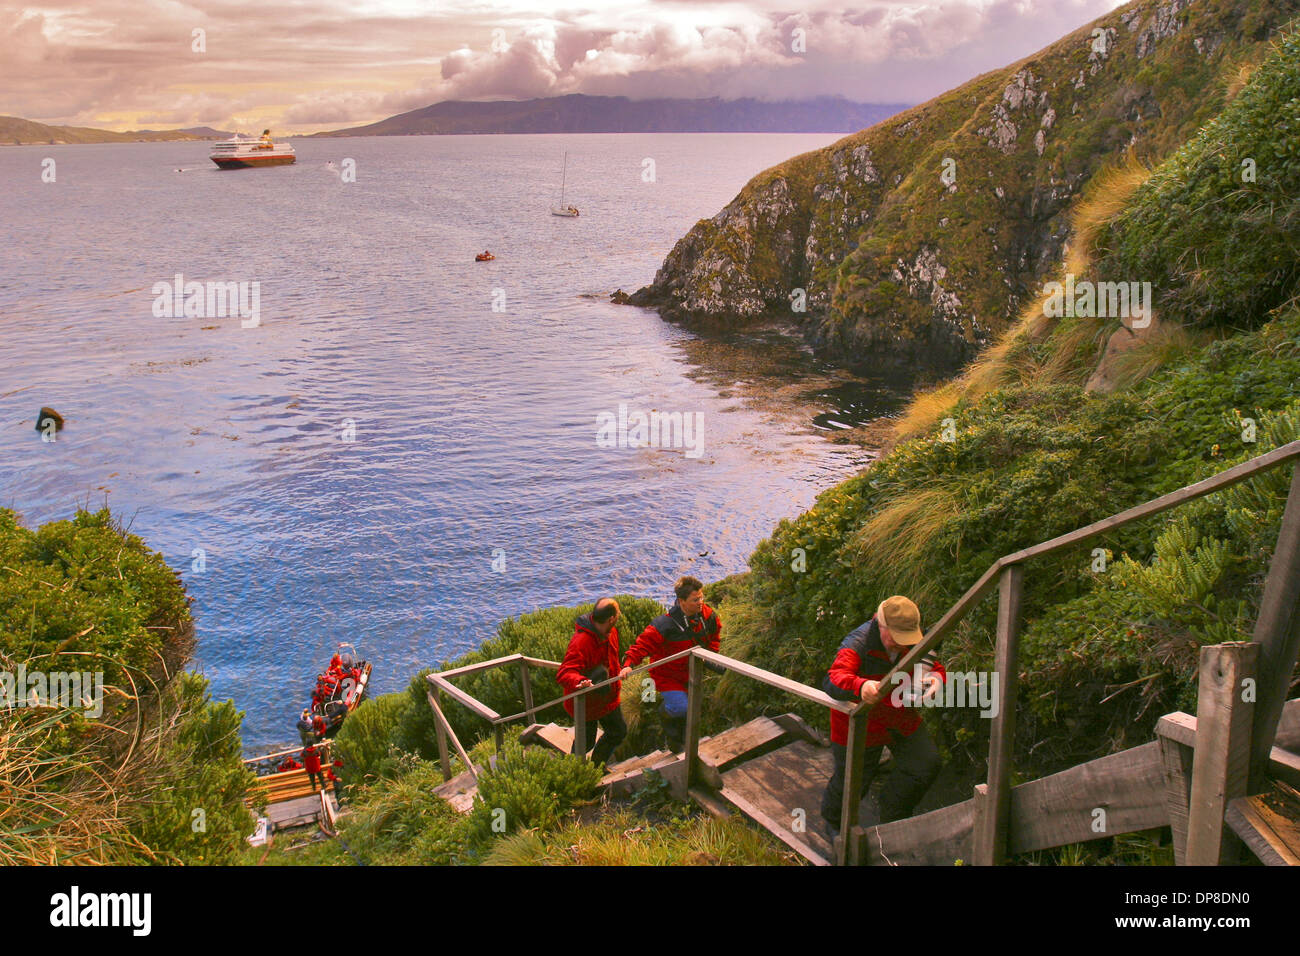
(404, 449)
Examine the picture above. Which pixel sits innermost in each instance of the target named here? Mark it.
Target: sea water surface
(404, 450)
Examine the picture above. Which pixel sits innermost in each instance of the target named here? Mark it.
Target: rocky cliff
(921, 238)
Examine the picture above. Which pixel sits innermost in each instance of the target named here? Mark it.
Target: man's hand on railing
(622, 675)
(582, 683)
(870, 692)
(933, 684)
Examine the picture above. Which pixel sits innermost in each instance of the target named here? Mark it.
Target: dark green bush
(368, 742)
(1218, 248)
(530, 787)
(192, 810)
(86, 595)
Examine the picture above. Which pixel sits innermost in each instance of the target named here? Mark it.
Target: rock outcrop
(921, 238)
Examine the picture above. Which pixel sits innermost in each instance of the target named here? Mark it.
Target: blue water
(475, 430)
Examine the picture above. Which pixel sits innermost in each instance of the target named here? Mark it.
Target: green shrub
(192, 810)
(531, 787)
(621, 837)
(157, 777)
(368, 740)
(86, 595)
(1104, 654)
(398, 820)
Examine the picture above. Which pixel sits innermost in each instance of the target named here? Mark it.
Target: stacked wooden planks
(285, 785)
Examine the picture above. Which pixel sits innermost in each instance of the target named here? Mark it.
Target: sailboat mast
(563, 176)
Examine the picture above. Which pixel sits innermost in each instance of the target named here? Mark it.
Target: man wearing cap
(862, 660)
(592, 658)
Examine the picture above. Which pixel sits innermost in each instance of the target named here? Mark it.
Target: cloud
(307, 66)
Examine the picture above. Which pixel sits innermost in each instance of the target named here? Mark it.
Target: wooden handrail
(605, 683)
(1207, 486)
(320, 744)
(461, 697)
(483, 666)
(446, 725)
(811, 694)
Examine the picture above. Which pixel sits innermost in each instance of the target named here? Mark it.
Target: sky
(307, 65)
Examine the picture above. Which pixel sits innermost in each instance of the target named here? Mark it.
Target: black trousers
(916, 764)
(615, 728)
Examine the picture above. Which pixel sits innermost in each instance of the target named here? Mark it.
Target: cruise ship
(241, 152)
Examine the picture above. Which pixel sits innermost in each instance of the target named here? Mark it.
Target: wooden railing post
(528, 692)
(1176, 767)
(580, 745)
(989, 840)
(1221, 763)
(854, 767)
(694, 698)
(444, 758)
(1277, 632)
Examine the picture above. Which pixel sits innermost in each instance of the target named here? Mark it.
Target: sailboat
(568, 212)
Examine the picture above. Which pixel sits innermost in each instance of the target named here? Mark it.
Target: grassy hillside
(922, 238)
(1019, 449)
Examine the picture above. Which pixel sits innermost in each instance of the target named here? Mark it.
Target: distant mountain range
(20, 132)
(578, 113)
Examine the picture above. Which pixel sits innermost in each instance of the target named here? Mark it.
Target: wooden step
(1269, 823)
(550, 735)
(288, 785)
(459, 791)
(626, 776)
(781, 791)
(720, 753)
(624, 767)
(711, 801)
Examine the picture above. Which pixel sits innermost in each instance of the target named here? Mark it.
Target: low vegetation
(144, 767)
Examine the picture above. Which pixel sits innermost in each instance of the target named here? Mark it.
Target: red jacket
(668, 634)
(588, 650)
(311, 760)
(862, 657)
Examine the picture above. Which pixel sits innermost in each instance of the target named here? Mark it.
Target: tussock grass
(905, 530)
(1073, 344)
(56, 807)
(926, 409)
(623, 838)
(1168, 345)
(1107, 195)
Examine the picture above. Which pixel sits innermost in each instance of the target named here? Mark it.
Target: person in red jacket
(861, 661)
(311, 760)
(592, 657)
(689, 623)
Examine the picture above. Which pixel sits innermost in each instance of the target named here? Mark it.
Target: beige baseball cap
(903, 619)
